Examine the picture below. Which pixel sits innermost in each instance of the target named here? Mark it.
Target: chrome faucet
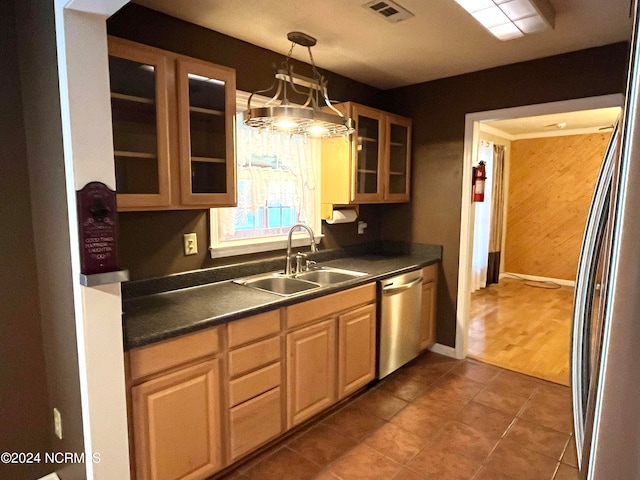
(314, 248)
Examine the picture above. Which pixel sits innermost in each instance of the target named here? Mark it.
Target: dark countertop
(152, 318)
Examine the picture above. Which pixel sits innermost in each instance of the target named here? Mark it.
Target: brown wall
(23, 381)
(551, 182)
(41, 110)
(151, 242)
(438, 109)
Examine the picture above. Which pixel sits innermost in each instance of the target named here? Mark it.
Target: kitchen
(438, 128)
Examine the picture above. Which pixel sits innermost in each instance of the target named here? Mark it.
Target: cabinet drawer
(253, 328)
(430, 273)
(253, 356)
(305, 312)
(161, 356)
(255, 422)
(255, 383)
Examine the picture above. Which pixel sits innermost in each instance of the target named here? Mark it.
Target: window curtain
(275, 168)
(497, 209)
(481, 222)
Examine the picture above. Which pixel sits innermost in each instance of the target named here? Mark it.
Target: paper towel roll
(345, 215)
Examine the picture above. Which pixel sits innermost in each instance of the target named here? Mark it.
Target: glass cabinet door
(398, 157)
(206, 112)
(140, 125)
(368, 154)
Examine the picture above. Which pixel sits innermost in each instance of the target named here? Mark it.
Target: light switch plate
(190, 243)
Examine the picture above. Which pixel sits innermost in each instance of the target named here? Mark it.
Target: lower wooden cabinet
(254, 422)
(204, 400)
(311, 371)
(429, 299)
(330, 350)
(356, 349)
(176, 421)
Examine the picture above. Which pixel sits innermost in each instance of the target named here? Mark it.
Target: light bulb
(317, 130)
(285, 124)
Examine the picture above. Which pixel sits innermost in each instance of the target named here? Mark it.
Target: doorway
(512, 319)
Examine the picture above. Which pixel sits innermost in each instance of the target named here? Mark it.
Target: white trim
(445, 350)
(562, 133)
(551, 133)
(471, 130)
(535, 278)
(83, 76)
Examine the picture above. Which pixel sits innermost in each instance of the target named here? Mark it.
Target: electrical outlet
(190, 243)
(57, 423)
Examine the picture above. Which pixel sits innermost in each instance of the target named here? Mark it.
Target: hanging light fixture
(278, 114)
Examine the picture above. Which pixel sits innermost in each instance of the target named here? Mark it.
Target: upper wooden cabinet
(374, 166)
(173, 129)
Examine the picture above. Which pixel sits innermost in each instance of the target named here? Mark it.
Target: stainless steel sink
(281, 284)
(328, 275)
(278, 283)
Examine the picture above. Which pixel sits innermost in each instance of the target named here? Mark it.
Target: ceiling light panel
(491, 17)
(517, 9)
(508, 31)
(509, 19)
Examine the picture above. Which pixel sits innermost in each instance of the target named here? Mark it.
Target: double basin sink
(282, 284)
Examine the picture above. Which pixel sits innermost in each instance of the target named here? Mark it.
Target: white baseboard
(559, 281)
(51, 476)
(444, 350)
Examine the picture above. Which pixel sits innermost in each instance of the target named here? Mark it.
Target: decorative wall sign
(97, 221)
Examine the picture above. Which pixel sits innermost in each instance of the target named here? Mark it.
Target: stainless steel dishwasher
(399, 332)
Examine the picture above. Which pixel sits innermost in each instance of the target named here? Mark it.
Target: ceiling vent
(390, 11)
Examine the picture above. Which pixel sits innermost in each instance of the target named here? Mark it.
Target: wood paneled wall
(551, 182)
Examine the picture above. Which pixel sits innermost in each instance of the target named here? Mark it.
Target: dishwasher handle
(390, 289)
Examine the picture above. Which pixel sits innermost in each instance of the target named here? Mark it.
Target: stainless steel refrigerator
(606, 331)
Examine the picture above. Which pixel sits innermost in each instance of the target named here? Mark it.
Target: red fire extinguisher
(479, 177)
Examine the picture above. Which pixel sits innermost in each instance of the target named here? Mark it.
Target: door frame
(471, 138)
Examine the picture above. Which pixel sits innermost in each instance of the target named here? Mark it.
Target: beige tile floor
(434, 419)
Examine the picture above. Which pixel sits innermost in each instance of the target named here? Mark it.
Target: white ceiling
(593, 120)
(442, 40)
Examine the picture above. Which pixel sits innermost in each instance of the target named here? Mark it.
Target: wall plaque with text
(97, 221)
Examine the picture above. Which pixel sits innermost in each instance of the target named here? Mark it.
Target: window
(277, 187)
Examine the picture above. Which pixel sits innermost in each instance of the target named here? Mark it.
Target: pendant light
(316, 117)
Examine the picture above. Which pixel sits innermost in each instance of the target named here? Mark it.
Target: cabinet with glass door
(140, 119)
(173, 129)
(373, 166)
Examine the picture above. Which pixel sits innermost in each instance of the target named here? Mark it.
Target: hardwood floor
(522, 328)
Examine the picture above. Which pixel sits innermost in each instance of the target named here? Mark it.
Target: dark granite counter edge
(432, 254)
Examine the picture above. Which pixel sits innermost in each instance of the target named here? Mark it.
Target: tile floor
(435, 419)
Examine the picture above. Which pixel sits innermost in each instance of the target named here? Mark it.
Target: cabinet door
(429, 299)
(254, 422)
(357, 349)
(140, 119)
(311, 367)
(206, 115)
(397, 158)
(368, 153)
(176, 422)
